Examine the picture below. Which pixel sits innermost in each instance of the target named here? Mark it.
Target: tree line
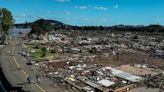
(42, 26)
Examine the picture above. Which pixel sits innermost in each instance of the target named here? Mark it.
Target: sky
(88, 12)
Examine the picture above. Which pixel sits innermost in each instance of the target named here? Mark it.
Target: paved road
(16, 71)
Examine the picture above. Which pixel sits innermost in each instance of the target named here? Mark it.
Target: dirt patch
(136, 70)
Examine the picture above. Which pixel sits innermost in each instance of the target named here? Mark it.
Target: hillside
(29, 24)
(43, 25)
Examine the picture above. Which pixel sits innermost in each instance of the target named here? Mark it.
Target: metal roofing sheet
(92, 84)
(134, 78)
(106, 83)
(124, 75)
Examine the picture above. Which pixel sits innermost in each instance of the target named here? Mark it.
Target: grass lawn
(38, 54)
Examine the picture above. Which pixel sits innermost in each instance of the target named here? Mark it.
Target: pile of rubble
(154, 81)
(94, 77)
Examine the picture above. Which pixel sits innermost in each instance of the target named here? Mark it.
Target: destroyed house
(124, 75)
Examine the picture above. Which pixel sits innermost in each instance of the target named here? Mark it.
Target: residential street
(16, 71)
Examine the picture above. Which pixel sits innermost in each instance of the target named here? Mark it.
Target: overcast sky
(88, 12)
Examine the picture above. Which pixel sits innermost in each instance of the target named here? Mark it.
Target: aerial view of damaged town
(81, 46)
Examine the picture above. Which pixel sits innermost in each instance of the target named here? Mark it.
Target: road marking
(24, 71)
(16, 62)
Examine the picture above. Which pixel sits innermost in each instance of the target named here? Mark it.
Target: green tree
(36, 29)
(41, 27)
(6, 23)
(7, 20)
(44, 51)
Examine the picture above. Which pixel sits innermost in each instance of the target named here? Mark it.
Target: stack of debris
(154, 81)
